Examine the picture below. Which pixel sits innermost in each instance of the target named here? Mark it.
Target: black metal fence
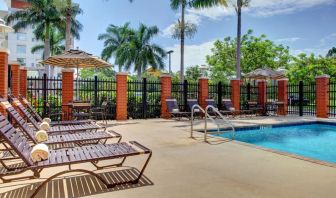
(219, 91)
(182, 91)
(332, 98)
(248, 92)
(45, 94)
(143, 99)
(301, 98)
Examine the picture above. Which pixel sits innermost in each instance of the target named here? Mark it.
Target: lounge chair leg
(108, 185)
(143, 169)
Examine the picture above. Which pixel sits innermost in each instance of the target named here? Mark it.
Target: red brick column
(3, 76)
(262, 98)
(67, 92)
(121, 110)
(23, 82)
(166, 90)
(15, 80)
(235, 93)
(203, 91)
(282, 96)
(322, 96)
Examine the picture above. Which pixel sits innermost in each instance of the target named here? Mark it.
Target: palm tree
(332, 53)
(114, 37)
(56, 43)
(190, 29)
(183, 4)
(42, 13)
(140, 52)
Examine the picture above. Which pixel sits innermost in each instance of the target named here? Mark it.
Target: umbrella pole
(77, 87)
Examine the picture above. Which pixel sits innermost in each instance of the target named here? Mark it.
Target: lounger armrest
(114, 133)
(145, 149)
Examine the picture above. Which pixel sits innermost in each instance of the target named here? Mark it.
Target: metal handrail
(205, 120)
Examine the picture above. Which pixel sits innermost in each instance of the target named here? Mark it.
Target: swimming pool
(312, 140)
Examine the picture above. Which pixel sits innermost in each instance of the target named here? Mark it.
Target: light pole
(169, 54)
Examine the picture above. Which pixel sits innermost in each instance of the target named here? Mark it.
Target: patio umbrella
(264, 74)
(76, 59)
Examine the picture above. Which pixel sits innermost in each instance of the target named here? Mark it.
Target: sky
(304, 25)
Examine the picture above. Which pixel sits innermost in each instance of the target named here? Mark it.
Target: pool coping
(279, 125)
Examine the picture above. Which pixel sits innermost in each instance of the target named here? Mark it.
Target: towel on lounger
(44, 126)
(39, 152)
(41, 136)
(47, 120)
(176, 110)
(232, 109)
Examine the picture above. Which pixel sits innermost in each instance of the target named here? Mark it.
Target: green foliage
(102, 73)
(257, 52)
(332, 53)
(193, 73)
(190, 29)
(306, 68)
(56, 43)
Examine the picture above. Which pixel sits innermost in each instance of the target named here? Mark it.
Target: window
(20, 36)
(22, 61)
(21, 49)
(32, 64)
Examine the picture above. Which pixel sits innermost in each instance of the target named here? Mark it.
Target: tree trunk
(139, 73)
(182, 41)
(47, 48)
(68, 39)
(238, 72)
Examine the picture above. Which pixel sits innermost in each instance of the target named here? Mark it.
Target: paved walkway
(182, 167)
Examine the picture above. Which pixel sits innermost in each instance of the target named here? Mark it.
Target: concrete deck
(185, 167)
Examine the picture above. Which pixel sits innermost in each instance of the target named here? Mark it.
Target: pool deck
(185, 167)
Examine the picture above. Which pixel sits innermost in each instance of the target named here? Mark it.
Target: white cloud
(288, 40)
(316, 51)
(194, 54)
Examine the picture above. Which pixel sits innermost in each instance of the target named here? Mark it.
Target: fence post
(185, 95)
(262, 89)
(67, 92)
(322, 96)
(15, 79)
(282, 96)
(3, 76)
(166, 92)
(23, 82)
(220, 94)
(301, 98)
(144, 97)
(235, 93)
(95, 91)
(121, 98)
(203, 91)
(248, 91)
(44, 94)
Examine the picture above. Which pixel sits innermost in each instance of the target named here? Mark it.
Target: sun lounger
(213, 103)
(228, 106)
(65, 157)
(174, 109)
(32, 110)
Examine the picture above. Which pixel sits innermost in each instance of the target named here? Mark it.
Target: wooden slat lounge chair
(65, 157)
(228, 106)
(53, 129)
(63, 139)
(174, 110)
(32, 110)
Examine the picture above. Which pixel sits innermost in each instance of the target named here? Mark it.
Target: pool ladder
(207, 116)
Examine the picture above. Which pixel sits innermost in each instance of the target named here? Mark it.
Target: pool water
(317, 141)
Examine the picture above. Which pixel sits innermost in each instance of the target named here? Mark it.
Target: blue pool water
(317, 141)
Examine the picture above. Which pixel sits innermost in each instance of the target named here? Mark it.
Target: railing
(332, 98)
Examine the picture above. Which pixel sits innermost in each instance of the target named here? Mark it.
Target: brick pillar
(67, 92)
(121, 110)
(3, 76)
(15, 80)
(282, 96)
(235, 93)
(322, 96)
(203, 91)
(166, 90)
(262, 98)
(23, 82)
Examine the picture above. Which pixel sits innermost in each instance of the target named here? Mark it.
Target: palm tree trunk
(182, 40)
(238, 72)
(139, 73)
(68, 39)
(47, 48)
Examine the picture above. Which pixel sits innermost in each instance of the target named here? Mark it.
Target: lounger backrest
(227, 104)
(31, 108)
(191, 103)
(19, 120)
(14, 139)
(25, 112)
(211, 102)
(171, 104)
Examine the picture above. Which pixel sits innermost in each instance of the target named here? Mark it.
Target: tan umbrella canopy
(264, 74)
(76, 59)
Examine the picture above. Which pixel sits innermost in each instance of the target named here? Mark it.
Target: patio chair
(32, 110)
(65, 157)
(81, 110)
(214, 104)
(76, 138)
(100, 111)
(256, 108)
(197, 110)
(228, 106)
(53, 129)
(174, 110)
